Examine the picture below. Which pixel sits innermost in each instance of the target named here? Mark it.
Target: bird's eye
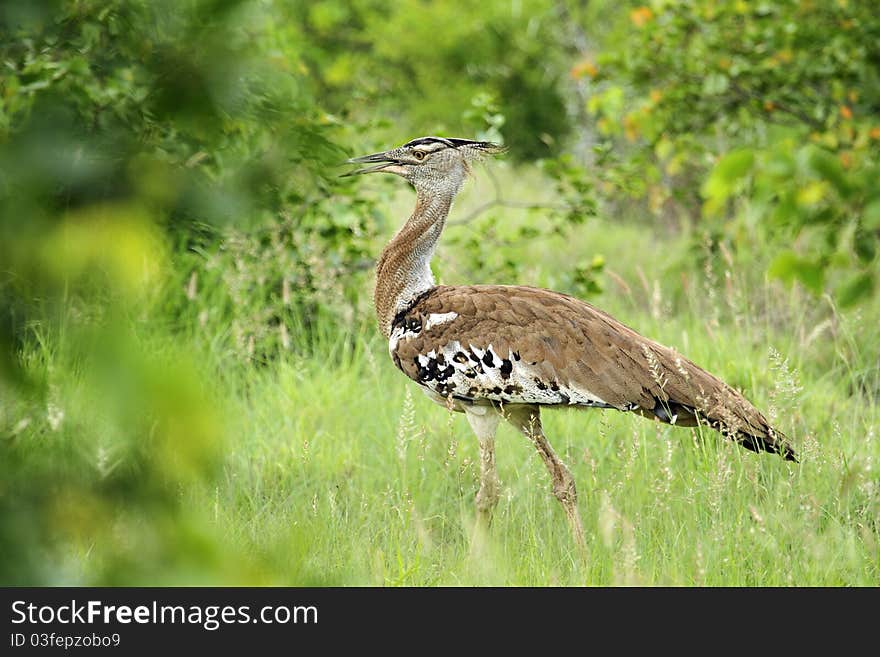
(419, 155)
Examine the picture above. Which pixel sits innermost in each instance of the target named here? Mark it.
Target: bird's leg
(528, 420)
(484, 421)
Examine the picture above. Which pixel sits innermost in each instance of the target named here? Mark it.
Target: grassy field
(346, 469)
(328, 467)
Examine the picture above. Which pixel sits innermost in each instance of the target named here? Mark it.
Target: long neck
(404, 269)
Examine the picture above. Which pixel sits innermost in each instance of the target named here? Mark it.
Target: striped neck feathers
(404, 269)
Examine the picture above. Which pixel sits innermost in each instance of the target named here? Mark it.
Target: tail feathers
(774, 443)
(759, 438)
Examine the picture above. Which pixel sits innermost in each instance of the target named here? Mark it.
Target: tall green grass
(341, 472)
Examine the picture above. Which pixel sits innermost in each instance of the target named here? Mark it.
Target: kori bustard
(499, 351)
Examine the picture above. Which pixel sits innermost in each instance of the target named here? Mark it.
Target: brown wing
(515, 344)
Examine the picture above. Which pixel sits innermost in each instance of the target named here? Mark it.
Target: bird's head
(430, 164)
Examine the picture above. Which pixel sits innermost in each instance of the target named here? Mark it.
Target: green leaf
(871, 215)
(827, 166)
(856, 289)
(735, 165)
(780, 164)
(721, 182)
(715, 84)
(865, 245)
(811, 193)
(789, 266)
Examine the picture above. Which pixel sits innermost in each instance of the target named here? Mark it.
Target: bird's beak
(384, 161)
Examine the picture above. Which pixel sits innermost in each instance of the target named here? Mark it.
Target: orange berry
(583, 68)
(846, 112)
(640, 15)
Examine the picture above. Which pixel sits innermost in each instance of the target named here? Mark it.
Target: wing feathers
(564, 351)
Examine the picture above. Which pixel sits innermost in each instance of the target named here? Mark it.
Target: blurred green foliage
(416, 64)
(171, 213)
(132, 132)
(759, 118)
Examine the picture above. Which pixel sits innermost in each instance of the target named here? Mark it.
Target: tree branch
(500, 202)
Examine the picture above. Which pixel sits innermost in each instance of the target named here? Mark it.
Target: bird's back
(486, 344)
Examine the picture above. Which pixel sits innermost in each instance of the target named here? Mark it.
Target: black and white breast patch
(472, 373)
